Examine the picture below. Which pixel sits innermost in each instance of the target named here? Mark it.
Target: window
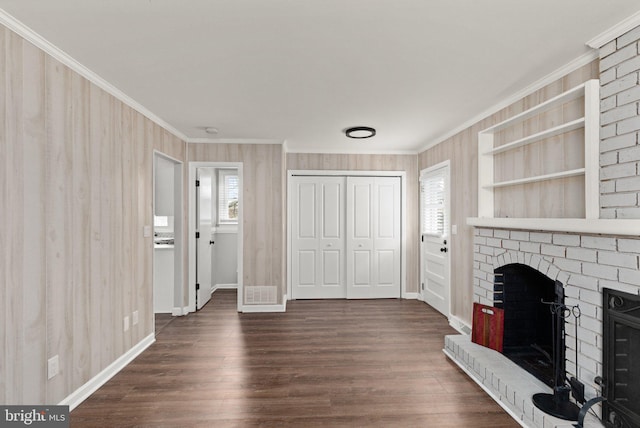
(227, 196)
(432, 195)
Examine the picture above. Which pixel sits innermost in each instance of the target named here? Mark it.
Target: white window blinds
(433, 219)
(227, 197)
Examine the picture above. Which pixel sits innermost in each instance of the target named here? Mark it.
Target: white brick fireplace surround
(585, 265)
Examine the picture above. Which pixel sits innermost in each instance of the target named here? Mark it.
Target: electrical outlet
(134, 317)
(126, 323)
(53, 366)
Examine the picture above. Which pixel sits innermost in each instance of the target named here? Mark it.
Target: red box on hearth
(488, 326)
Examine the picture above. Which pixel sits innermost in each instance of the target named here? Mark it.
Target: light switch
(146, 231)
(454, 229)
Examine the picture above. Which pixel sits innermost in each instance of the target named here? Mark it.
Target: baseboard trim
(460, 326)
(225, 287)
(74, 399)
(248, 309)
(178, 312)
(413, 296)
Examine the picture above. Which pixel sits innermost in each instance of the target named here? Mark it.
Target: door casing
(193, 166)
(447, 260)
(348, 173)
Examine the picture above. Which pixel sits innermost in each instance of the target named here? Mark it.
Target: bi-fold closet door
(345, 237)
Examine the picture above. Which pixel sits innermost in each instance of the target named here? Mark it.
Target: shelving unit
(590, 122)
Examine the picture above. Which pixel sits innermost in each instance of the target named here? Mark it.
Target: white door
(317, 242)
(373, 237)
(204, 207)
(434, 248)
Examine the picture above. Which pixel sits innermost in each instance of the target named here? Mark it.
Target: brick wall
(585, 264)
(620, 127)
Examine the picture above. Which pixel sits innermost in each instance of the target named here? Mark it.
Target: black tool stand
(557, 404)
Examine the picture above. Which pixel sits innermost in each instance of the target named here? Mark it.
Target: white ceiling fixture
(280, 70)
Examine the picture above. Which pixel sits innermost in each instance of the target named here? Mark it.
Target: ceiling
(302, 71)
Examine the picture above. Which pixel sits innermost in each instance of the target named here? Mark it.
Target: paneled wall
(76, 175)
(262, 210)
(362, 162)
(462, 150)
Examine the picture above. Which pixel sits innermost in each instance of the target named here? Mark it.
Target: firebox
(621, 359)
(525, 293)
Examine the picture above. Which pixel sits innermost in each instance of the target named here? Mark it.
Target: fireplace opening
(528, 338)
(621, 359)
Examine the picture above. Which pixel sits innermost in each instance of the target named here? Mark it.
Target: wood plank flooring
(335, 363)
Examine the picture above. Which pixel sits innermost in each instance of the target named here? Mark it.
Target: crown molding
(581, 61)
(616, 31)
(234, 141)
(349, 151)
(40, 42)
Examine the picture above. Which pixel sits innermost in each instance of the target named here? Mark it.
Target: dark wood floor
(329, 363)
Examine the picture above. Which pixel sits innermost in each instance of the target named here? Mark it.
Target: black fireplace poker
(558, 404)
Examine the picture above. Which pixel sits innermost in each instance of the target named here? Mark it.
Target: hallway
(322, 363)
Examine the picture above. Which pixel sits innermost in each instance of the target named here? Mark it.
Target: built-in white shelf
(590, 121)
(563, 174)
(551, 132)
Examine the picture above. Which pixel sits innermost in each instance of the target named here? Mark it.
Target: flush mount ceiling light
(211, 130)
(359, 132)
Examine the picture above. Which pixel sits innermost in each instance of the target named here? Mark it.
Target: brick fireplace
(587, 264)
(584, 264)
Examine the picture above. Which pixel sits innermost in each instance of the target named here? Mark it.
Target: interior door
(373, 237)
(204, 208)
(317, 242)
(434, 248)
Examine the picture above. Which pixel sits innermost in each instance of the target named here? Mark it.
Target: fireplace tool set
(558, 403)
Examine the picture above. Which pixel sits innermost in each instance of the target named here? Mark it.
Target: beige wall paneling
(144, 248)
(97, 280)
(80, 233)
(365, 162)
(33, 171)
(76, 191)
(58, 222)
(5, 225)
(13, 305)
(461, 150)
(24, 120)
(262, 207)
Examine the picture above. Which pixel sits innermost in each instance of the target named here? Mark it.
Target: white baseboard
(225, 287)
(79, 395)
(178, 312)
(266, 308)
(414, 296)
(461, 326)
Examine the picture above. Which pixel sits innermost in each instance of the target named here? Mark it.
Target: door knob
(443, 250)
(329, 245)
(360, 245)
(212, 242)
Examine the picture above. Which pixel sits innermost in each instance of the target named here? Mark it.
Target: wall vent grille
(261, 294)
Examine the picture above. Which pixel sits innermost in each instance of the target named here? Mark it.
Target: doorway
(168, 233)
(346, 234)
(435, 239)
(215, 246)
